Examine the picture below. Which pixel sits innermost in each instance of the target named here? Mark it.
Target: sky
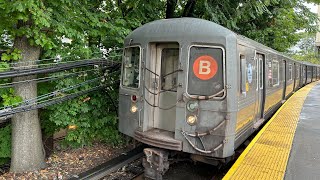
(312, 6)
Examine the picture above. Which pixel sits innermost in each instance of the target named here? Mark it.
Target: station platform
(287, 147)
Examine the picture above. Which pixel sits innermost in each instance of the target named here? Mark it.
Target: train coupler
(155, 163)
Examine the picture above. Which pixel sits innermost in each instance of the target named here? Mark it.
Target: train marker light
(191, 120)
(192, 106)
(133, 98)
(133, 108)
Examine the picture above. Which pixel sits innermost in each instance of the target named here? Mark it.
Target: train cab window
(243, 73)
(290, 72)
(275, 73)
(131, 61)
(169, 68)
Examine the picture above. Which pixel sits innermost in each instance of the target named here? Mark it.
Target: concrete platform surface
(304, 159)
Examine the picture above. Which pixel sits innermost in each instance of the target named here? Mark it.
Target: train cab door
(260, 88)
(167, 62)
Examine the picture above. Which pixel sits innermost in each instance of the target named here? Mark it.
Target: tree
(273, 23)
(35, 28)
(23, 21)
(305, 50)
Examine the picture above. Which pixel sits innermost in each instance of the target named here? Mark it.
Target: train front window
(131, 61)
(206, 72)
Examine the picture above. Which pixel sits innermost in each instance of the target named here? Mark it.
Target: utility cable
(50, 78)
(51, 94)
(57, 92)
(46, 64)
(57, 58)
(57, 68)
(5, 114)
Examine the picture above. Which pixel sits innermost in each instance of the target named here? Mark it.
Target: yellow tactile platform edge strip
(267, 155)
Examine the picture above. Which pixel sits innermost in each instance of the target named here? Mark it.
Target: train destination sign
(205, 67)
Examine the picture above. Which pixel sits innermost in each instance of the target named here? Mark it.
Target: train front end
(174, 94)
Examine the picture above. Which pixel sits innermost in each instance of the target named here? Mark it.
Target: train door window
(243, 73)
(290, 72)
(169, 68)
(275, 73)
(297, 71)
(130, 75)
(261, 72)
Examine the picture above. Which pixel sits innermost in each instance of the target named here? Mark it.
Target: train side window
(290, 71)
(243, 73)
(275, 73)
(269, 73)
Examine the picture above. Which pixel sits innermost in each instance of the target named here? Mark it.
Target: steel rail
(112, 165)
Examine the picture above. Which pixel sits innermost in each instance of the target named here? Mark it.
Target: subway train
(191, 86)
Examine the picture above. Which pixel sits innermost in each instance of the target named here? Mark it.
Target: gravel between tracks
(63, 164)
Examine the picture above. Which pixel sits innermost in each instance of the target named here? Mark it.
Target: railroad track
(112, 165)
(139, 177)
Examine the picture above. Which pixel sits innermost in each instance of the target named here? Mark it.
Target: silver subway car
(190, 85)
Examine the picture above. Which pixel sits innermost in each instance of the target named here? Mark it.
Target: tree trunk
(189, 8)
(171, 6)
(27, 148)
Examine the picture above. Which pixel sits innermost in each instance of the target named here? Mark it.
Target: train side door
(260, 85)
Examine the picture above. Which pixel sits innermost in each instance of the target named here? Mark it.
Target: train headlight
(191, 120)
(133, 108)
(192, 106)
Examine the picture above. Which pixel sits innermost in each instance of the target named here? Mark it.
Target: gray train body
(194, 86)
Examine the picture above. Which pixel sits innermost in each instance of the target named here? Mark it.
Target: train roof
(177, 29)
